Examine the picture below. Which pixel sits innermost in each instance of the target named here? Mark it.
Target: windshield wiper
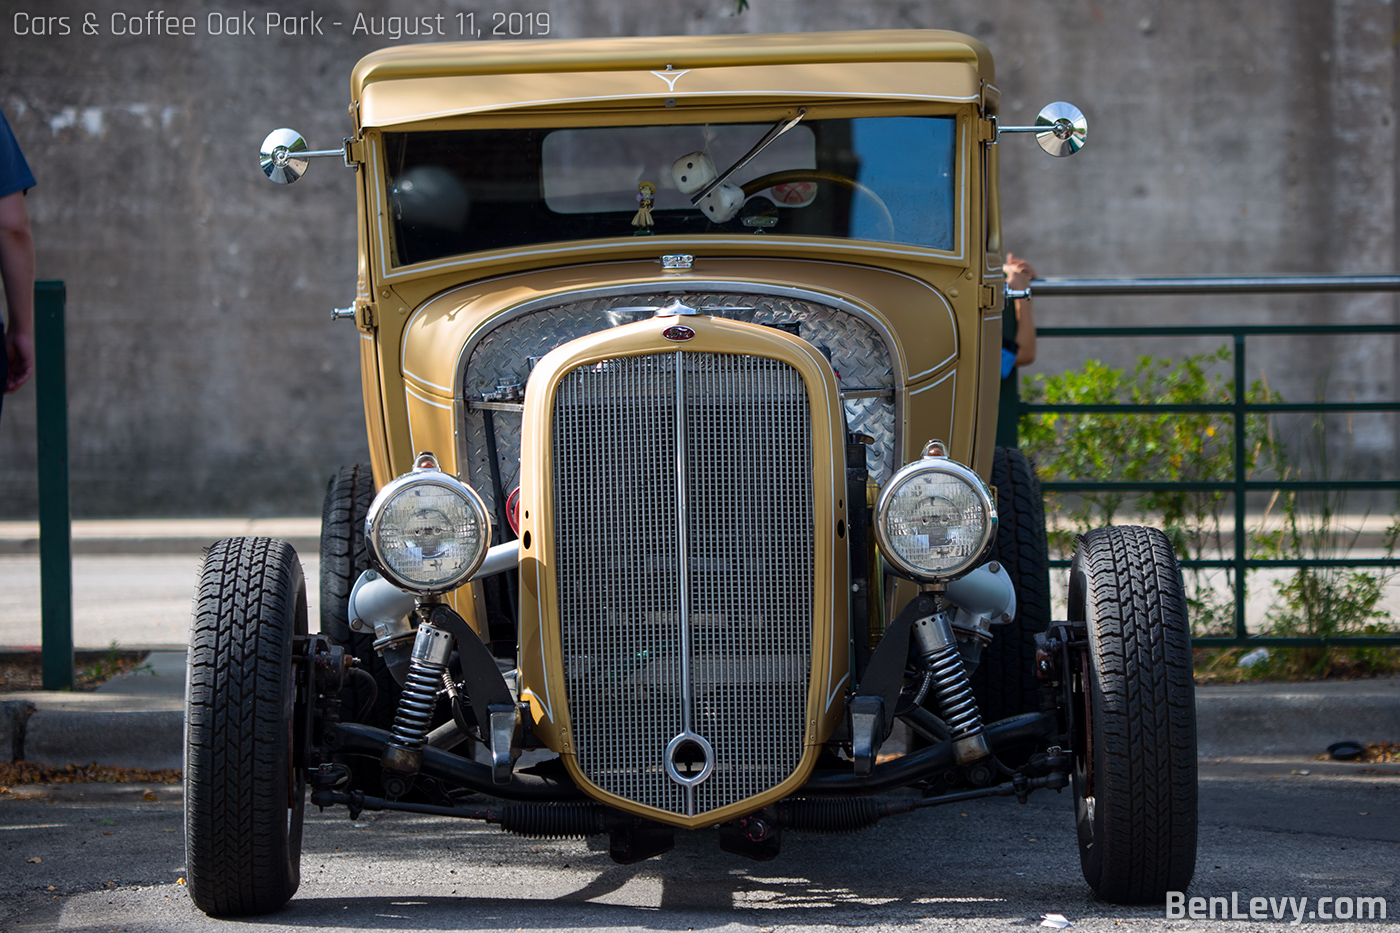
(781, 127)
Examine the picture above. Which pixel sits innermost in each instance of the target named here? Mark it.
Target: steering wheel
(764, 182)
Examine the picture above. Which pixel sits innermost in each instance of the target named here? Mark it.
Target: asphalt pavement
(85, 858)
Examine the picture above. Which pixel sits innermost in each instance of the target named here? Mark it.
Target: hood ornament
(673, 308)
(676, 308)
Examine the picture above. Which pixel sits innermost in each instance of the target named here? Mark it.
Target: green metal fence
(1238, 409)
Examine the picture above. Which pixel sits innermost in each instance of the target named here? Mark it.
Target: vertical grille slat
(746, 433)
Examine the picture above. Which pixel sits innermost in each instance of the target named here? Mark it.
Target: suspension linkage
(357, 802)
(1019, 787)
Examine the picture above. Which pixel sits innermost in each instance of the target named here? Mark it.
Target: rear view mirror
(284, 154)
(279, 156)
(1060, 128)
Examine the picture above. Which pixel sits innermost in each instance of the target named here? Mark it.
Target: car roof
(432, 81)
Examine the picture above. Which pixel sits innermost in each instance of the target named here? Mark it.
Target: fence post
(1240, 628)
(55, 519)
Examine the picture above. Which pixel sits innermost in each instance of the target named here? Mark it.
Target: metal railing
(1238, 409)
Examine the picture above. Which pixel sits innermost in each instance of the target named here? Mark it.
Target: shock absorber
(403, 753)
(951, 688)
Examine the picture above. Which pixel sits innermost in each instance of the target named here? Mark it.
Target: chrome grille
(684, 528)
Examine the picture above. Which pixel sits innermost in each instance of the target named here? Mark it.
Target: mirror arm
(343, 152)
(1062, 129)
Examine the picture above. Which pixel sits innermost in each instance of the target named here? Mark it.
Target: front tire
(1004, 682)
(344, 556)
(245, 789)
(1135, 755)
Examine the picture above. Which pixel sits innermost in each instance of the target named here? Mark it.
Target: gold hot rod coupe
(681, 364)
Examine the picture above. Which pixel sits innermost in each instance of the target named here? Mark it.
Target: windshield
(889, 179)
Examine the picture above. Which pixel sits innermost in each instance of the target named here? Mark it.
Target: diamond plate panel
(855, 349)
(875, 417)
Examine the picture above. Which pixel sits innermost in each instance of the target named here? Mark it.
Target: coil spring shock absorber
(951, 687)
(403, 753)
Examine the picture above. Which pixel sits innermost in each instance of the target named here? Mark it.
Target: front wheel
(1135, 754)
(1004, 682)
(344, 555)
(245, 789)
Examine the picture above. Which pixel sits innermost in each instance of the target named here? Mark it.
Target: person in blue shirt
(1017, 346)
(16, 263)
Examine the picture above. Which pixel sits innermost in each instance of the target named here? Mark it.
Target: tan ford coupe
(681, 362)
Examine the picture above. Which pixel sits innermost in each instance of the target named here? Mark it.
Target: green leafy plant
(1171, 447)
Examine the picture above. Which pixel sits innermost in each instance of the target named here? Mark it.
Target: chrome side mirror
(1060, 128)
(281, 158)
(284, 154)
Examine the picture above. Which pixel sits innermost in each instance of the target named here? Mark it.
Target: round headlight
(429, 531)
(935, 519)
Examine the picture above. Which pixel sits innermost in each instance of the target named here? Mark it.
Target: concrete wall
(206, 378)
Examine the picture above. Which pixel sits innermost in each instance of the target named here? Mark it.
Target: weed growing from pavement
(115, 662)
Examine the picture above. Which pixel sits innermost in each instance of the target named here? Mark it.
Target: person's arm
(17, 271)
(1018, 275)
(1025, 332)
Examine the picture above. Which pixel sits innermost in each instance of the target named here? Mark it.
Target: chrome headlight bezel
(426, 473)
(983, 496)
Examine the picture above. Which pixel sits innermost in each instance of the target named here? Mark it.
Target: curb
(14, 716)
(149, 739)
(1295, 718)
(132, 721)
(161, 536)
(306, 545)
(87, 728)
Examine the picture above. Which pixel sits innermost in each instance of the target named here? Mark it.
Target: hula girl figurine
(642, 220)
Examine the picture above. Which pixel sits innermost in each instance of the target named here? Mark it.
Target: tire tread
(250, 601)
(1144, 714)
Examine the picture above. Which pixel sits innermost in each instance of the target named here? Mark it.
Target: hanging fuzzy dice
(646, 197)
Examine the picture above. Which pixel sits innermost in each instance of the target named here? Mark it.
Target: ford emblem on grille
(678, 332)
